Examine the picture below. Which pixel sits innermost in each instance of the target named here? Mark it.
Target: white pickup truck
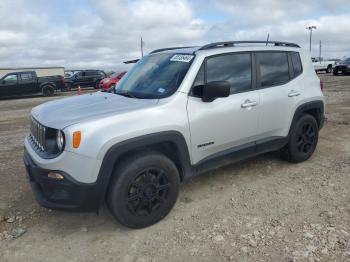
(322, 65)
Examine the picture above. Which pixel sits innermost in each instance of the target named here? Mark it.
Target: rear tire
(303, 140)
(48, 90)
(144, 189)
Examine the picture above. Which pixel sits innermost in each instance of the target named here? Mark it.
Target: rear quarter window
(296, 62)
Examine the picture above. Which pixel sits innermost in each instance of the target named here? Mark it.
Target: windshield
(114, 75)
(347, 61)
(155, 76)
(344, 62)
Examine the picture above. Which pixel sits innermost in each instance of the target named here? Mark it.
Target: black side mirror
(3, 81)
(214, 90)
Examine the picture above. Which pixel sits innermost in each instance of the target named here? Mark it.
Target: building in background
(40, 71)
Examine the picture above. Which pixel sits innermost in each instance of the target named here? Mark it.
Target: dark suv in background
(85, 78)
(342, 67)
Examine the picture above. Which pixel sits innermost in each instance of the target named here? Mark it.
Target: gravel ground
(262, 209)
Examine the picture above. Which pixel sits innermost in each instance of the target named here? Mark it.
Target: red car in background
(111, 81)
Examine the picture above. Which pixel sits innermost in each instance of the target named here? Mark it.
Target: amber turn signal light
(55, 175)
(76, 139)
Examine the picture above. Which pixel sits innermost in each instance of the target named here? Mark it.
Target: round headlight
(60, 140)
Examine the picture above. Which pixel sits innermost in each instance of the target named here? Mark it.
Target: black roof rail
(131, 61)
(170, 48)
(233, 43)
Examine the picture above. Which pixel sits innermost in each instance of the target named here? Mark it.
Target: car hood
(65, 112)
(69, 77)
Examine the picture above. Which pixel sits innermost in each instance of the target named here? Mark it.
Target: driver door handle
(248, 103)
(293, 93)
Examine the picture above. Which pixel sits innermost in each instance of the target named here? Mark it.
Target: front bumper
(104, 86)
(65, 194)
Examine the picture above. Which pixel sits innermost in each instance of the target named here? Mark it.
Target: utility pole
(267, 39)
(141, 47)
(311, 28)
(320, 50)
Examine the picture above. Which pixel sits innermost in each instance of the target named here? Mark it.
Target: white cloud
(105, 33)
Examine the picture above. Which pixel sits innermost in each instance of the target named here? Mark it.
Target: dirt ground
(262, 209)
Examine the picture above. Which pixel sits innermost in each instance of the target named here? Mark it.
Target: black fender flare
(115, 152)
(317, 104)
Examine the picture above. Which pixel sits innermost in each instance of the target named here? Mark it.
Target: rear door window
(26, 76)
(93, 73)
(273, 67)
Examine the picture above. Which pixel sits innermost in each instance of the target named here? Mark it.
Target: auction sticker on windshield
(182, 58)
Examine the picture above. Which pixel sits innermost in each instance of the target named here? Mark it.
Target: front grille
(38, 134)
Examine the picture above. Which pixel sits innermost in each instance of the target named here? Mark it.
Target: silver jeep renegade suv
(178, 112)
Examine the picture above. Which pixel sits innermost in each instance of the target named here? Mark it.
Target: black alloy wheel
(306, 138)
(144, 189)
(303, 138)
(148, 191)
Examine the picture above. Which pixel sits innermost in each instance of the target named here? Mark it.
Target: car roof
(19, 72)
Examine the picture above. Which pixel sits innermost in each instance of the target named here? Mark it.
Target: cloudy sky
(103, 33)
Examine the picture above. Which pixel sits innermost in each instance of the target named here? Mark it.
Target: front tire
(329, 69)
(303, 140)
(97, 84)
(144, 189)
(69, 87)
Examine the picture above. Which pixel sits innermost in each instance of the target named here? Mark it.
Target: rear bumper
(322, 120)
(65, 194)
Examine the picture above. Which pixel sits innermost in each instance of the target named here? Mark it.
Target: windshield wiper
(126, 94)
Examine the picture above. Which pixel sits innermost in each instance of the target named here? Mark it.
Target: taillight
(321, 85)
(63, 80)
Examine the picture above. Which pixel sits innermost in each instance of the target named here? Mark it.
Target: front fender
(115, 153)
